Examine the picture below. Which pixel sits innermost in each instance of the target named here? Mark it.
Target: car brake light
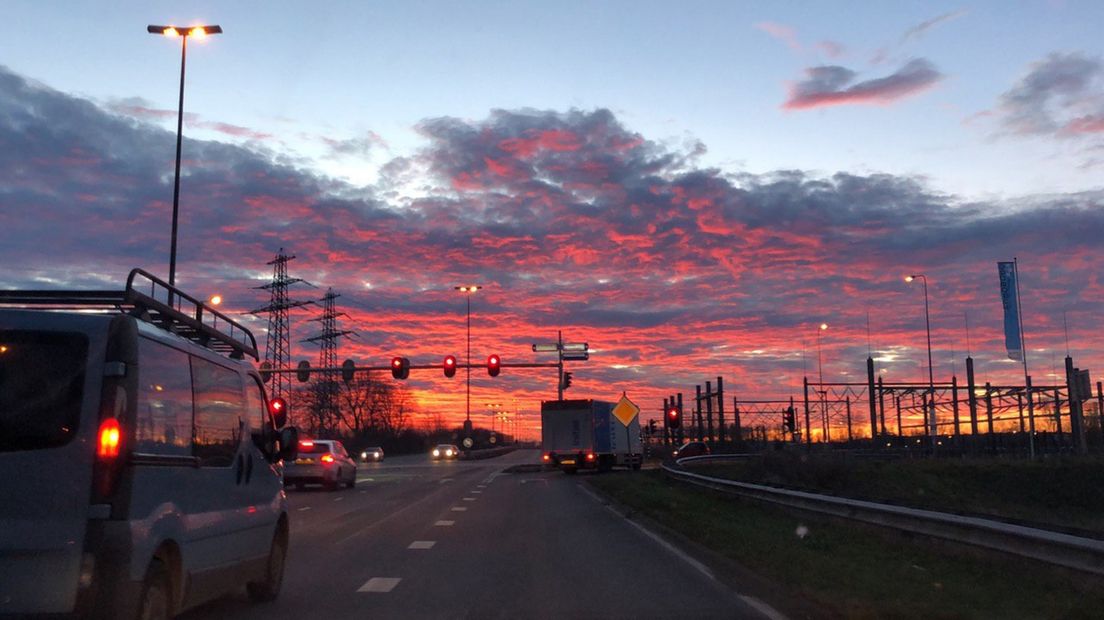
(327, 458)
(590, 456)
(548, 457)
(108, 444)
(306, 444)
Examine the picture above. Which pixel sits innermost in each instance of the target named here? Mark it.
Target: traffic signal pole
(559, 353)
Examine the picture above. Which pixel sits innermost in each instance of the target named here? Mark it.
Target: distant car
(445, 451)
(321, 461)
(691, 448)
(371, 455)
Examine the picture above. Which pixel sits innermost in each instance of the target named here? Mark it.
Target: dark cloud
(571, 220)
(1061, 95)
(835, 85)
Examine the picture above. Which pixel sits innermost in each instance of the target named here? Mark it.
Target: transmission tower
(277, 344)
(327, 357)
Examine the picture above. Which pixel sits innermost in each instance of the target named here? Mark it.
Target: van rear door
(50, 371)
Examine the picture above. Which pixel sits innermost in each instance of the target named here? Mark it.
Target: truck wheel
(156, 601)
(269, 588)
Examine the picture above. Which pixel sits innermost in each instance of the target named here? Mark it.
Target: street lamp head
(909, 278)
(468, 289)
(194, 31)
(823, 326)
(216, 299)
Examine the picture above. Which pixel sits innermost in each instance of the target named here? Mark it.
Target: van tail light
(107, 445)
(327, 458)
(590, 456)
(547, 457)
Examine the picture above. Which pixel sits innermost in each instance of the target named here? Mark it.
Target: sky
(691, 190)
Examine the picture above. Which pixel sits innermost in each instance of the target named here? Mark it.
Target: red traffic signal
(674, 417)
(494, 365)
(450, 366)
(278, 412)
(400, 367)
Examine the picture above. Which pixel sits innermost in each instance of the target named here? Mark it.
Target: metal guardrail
(1077, 552)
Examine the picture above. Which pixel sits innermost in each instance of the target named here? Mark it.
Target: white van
(140, 467)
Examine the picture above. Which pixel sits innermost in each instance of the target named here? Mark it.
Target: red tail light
(327, 458)
(548, 457)
(107, 447)
(590, 456)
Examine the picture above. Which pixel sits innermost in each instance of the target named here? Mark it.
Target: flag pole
(1023, 356)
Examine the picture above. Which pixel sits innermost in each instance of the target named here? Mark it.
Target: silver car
(321, 461)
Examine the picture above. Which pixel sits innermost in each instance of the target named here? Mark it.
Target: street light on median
(467, 290)
(198, 32)
(931, 374)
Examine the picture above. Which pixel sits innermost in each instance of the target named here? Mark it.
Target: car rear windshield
(314, 448)
(41, 380)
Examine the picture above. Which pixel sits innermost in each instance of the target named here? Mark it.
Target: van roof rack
(152, 299)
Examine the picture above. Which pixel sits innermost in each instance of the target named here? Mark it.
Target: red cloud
(833, 85)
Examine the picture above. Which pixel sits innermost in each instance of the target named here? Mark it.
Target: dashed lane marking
(444, 523)
(459, 508)
(380, 584)
(422, 544)
(470, 499)
(338, 499)
(477, 491)
(304, 508)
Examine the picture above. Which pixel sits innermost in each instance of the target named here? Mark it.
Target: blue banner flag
(1010, 298)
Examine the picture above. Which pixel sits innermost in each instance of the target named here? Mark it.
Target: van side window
(219, 413)
(164, 424)
(256, 406)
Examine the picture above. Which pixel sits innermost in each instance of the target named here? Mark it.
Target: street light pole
(931, 374)
(468, 290)
(823, 392)
(183, 33)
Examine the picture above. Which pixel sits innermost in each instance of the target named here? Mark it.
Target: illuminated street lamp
(931, 377)
(467, 290)
(198, 32)
(215, 299)
(823, 392)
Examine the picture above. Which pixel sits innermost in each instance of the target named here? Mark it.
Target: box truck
(585, 434)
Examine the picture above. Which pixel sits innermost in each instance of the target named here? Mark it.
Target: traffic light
(450, 366)
(788, 422)
(494, 365)
(348, 371)
(566, 380)
(674, 417)
(277, 412)
(400, 367)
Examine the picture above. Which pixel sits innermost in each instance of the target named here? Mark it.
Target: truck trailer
(585, 434)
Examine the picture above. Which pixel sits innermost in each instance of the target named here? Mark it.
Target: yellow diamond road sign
(625, 410)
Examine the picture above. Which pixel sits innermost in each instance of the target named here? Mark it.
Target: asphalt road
(422, 539)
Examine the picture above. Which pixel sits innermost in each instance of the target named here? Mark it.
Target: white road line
(444, 480)
(338, 499)
(380, 584)
(762, 607)
(422, 544)
(474, 492)
(304, 508)
(481, 486)
(459, 508)
(701, 568)
(470, 499)
(444, 523)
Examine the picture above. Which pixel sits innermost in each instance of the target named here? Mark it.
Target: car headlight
(364, 455)
(448, 452)
(436, 453)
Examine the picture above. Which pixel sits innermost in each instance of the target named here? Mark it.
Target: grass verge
(1059, 492)
(855, 571)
